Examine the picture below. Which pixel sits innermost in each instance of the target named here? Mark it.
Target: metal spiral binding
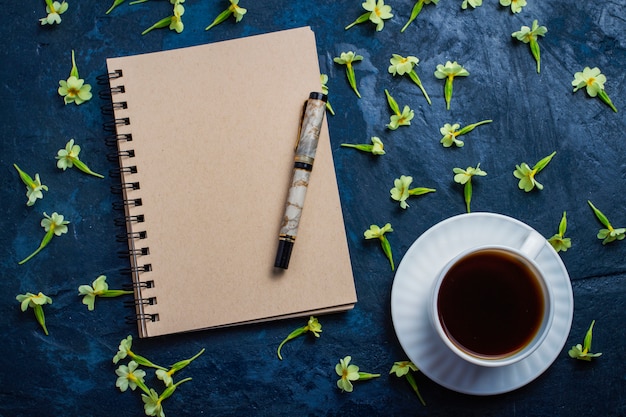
(103, 79)
(142, 317)
(133, 252)
(140, 284)
(133, 202)
(150, 301)
(109, 108)
(112, 140)
(119, 188)
(129, 219)
(115, 156)
(137, 269)
(117, 172)
(124, 237)
(111, 126)
(124, 172)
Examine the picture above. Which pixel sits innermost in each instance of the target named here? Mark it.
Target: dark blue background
(70, 373)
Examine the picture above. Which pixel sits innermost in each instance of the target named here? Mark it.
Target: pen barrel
(295, 202)
(313, 116)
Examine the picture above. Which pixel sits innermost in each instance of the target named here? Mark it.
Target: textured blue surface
(70, 373)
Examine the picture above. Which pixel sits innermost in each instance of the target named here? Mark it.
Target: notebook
(205, 141)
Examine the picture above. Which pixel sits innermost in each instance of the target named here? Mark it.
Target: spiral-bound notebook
(205, 137)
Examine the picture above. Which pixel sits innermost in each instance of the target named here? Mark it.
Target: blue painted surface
(70, 372)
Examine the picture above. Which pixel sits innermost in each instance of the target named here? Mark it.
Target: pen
(312, 117)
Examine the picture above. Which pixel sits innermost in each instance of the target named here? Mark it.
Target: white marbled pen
(312, 117)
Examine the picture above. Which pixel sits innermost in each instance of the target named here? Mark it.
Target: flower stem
(352, 79)
(26, 179)
(180, 365)
(603, 219)
(416, 11)
(409, 377)
(421, 191)
(543, 162)
(393, 104)
(291, 336)
(115, 293)
(114, 5)
(588, 336)
(220, 18)
(447, 90)
(41, 319)
(534, 48)
(81, 165)
(467, 193)
(158, 25)
(74, 70)
(471, 127)
(604, 97)
(364, 376)
(363, 18)
(384, 243)
(417, 81)
(170, 390)
(46, 239)
(361, 147)
(142, 385)
(143, 361)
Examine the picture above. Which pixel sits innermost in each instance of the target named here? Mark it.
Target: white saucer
(412, 288)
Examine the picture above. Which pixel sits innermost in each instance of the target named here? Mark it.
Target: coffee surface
(491, 303)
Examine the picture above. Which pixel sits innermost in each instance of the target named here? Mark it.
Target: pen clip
(295, 148)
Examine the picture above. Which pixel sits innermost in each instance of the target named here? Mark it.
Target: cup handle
(533, 244)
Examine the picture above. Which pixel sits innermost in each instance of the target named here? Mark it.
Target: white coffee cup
(491, 304)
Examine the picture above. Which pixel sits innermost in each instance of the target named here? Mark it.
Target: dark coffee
(491, 303)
